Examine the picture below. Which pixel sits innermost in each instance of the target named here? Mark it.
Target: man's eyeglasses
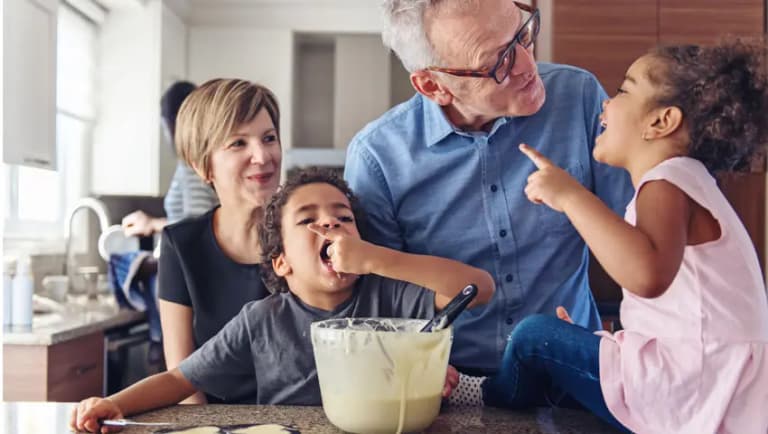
(525, 37)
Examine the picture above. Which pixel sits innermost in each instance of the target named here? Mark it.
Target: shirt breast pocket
(554, 222)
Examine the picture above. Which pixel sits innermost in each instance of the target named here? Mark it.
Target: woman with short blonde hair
(228, 131)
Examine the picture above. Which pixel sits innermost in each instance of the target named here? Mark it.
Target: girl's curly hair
(723, 94)
(270, 233)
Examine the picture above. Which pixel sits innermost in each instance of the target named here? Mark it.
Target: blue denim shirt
(429, 188)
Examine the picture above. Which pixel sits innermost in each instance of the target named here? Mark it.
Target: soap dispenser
(21, 296)
(9, 270)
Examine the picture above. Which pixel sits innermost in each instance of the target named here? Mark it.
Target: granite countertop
(54, 417)
(72, 321)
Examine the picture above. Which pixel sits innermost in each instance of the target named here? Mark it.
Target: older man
(441, 174)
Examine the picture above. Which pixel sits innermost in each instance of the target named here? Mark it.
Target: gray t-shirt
(264, 354)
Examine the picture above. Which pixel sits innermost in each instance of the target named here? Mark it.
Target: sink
(88, 303)
(101, 305)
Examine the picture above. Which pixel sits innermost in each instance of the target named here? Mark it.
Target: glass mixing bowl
(380, 375)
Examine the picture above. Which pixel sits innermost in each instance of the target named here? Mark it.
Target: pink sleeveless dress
(694, 360)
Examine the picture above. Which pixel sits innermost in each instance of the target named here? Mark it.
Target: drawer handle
(80, 370)
(37, 161)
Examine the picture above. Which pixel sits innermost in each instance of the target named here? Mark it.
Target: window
(37, 200)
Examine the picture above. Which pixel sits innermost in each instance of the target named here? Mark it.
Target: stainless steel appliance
(130, 356)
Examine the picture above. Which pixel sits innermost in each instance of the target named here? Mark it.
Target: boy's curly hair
(723, 94)
(270, 233)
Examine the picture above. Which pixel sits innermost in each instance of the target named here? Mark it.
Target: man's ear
(426, 84)
(281, 266)
(665, 122)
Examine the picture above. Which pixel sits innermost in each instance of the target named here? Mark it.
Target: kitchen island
(51, 417)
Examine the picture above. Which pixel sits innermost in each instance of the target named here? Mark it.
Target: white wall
(253, 39)
(174, 67)
(361, 89)
(400, 79)
(261, 55)
(359, 16)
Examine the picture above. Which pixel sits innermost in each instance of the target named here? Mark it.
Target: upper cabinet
(142, 50)
(701, 21)
(606, 36)
(29, 83)
(603, 36)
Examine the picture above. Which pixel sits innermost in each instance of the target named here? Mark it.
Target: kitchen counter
(70, 322)
(49, 417)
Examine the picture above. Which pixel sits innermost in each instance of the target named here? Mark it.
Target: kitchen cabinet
(29, 83)
(606, 36)
(67, 371)
(603, 36)
(64, 356)
(142, 51)
(702, 21)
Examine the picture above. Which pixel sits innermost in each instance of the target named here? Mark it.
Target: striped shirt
(188, 195)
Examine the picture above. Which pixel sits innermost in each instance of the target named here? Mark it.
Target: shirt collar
(437, 126)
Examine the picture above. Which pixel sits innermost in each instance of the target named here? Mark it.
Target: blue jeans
(549, 362)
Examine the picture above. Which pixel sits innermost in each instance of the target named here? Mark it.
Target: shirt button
(508, 278)
(503, 233)
(510, 320)
(494, 188)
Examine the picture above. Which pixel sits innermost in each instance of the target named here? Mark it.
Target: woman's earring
(645, 137)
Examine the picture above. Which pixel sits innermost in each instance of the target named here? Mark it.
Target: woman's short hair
(213, 111)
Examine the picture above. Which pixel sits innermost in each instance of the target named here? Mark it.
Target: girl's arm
(645, 258)
(178, 342)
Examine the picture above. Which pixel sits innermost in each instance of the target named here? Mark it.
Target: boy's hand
(563, 314)
(87, 414)
(451, 381)
(348, 254)
(550, 184)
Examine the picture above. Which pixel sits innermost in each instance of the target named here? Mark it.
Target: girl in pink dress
(693, 355)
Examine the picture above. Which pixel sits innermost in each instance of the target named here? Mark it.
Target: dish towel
(134, 293)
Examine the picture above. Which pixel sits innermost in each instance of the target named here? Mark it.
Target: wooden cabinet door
(66, 372)
(603, 36)
(76, 369)
(746, 193)
(703, 21)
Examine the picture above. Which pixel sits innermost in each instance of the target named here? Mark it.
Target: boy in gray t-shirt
(319, 268)
(264, 355)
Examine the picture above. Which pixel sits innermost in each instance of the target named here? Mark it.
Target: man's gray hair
(404, 33)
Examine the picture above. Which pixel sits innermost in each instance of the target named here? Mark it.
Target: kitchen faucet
(97, 207)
